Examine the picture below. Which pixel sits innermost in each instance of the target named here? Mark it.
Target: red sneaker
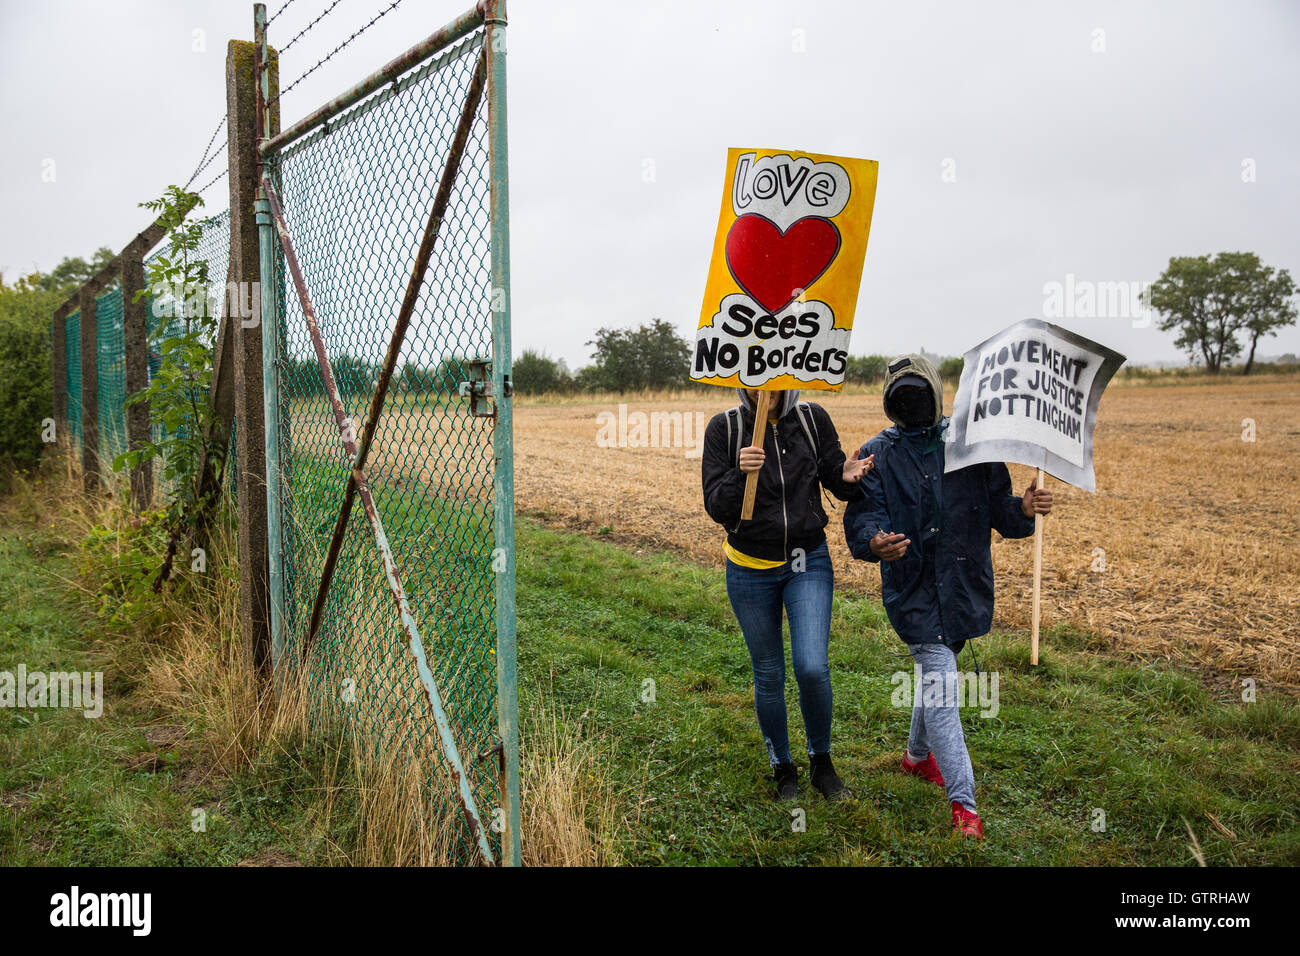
(927, 769)
(966, 822)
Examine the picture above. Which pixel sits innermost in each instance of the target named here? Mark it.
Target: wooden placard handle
(1038, 577)
(751, 480)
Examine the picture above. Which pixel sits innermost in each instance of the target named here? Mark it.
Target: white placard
(1029, 394)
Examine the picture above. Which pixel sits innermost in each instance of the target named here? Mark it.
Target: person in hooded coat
(930, 532)
(779, 558)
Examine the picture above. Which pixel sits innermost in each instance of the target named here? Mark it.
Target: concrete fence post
(242, 68)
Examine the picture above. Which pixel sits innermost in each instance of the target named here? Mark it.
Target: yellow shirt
(744, 560)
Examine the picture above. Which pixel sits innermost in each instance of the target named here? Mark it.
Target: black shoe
(824, 778)
(786, 777)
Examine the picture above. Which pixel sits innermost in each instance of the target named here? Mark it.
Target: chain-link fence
(394, 195)
(356, 199)
(110, 355)
(72, 331)
(165, 307)
(169, 306)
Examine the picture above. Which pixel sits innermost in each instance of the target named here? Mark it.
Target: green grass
(1149, 746)
(68, 793)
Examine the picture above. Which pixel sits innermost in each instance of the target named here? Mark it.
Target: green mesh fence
(160, 307)
(214, 251)
(111, 355)
(355, 200)
(72, 329)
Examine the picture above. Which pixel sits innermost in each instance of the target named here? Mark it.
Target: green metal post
(271, 404)
(270, 346)
(503, 443)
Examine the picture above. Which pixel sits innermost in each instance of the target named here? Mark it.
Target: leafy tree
(353, 376)
(1210, 300)
(533, 373)
(413, 378)
(589, 378)
(950, 369)
(650, 356)
(1269, 307)
(450, 371)
(70, 274)
(26, 393)
(177, 392)
(865, 370)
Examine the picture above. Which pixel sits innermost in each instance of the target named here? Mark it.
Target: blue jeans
(757, 598)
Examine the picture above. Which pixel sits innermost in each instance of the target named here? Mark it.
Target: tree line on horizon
(1220, 307)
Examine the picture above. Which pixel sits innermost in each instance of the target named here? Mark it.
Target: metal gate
(383, 223)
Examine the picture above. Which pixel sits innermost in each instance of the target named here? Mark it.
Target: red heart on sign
(771, 265)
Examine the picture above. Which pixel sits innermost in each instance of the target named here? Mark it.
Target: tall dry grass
(365, 804)
(568, 812)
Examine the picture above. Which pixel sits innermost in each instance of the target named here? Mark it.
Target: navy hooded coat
(941, 589)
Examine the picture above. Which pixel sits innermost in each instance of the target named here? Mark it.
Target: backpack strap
(805, 417)
(740, 441)
(809, 423)
(736, 411)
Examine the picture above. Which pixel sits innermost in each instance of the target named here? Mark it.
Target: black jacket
(788, 512)
(941, 590)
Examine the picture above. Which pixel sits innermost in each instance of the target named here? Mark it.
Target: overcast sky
(1018, 142)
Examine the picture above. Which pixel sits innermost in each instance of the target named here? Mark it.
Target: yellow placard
(787, 262)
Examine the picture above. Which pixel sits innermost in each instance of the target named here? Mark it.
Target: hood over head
(789, 398)
(906, 370)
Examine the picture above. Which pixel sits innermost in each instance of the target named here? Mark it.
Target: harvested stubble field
(1198, 527)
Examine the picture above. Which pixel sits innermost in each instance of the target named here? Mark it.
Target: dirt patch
(164, 735)
(19, 798)
(40, 844)
(269, 857)
(144, 763)
(195, 778)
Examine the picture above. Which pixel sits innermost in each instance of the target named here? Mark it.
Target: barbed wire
(224, 171)
(287, 4)
(328, 56)
(220, 149)
(208, 156)
(205, 160)
(303, 32)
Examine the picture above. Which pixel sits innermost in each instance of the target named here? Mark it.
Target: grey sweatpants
(936, 722)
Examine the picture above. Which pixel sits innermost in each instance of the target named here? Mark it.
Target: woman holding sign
(778, 558)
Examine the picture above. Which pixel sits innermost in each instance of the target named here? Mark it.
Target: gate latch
(477, 389)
